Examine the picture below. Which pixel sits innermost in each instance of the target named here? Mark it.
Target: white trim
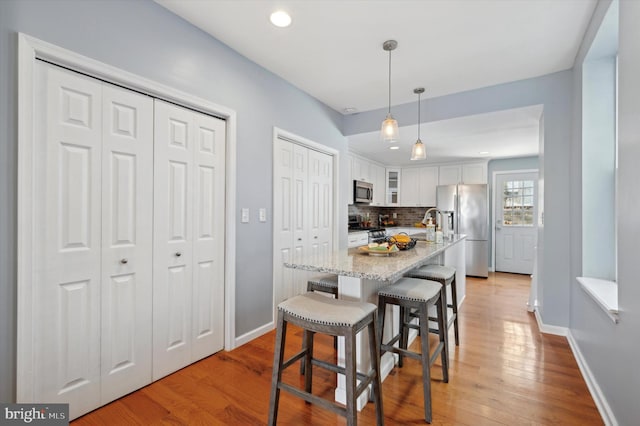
(604, 293)
(596, 392)
(292, 137)
(549, 329)
(254, 334)
(29, 50)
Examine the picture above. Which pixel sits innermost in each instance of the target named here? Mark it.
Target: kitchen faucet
(426, 215)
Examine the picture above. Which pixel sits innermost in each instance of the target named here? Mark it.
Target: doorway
(515, 222)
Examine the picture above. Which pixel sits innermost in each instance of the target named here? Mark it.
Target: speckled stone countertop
(358, 264)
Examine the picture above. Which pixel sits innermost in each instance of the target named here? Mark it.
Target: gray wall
(146, 39)
(503, 165)
(555, 93)
(610, 350)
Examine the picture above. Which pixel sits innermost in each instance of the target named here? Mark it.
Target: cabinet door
(449, 175)
(393, 187)
(378, 177)
(410, 188)
(127, 219)
(361, 170)
(428, 185)
(474, 173)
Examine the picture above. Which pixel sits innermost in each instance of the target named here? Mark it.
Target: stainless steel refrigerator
(467, 211)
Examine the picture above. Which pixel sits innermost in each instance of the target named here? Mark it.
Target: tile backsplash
(406, 216)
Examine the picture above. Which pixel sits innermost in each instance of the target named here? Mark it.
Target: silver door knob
(299, 239)
(316, 237)
(178, 254)
(124, 261)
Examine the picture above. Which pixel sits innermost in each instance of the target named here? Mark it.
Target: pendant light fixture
(389, 131)
(418, 152)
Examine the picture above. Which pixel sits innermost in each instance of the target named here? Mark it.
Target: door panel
(127, 217)
(283, 219)
(173, 244)
(66, 299)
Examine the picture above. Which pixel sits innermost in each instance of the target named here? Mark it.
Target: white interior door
(515, 222)
(282, 218)
(188, 298)
(209, 220)
(67, 262)
(320, 235)
(127, 217)
(300, 216)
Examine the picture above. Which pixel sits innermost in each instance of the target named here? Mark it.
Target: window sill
(604, 292)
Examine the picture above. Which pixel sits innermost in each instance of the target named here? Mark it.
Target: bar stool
(417, 294)
(319, 314)
(327, 283)
(445, 275)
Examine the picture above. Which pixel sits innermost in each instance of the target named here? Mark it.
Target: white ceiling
(333, 51)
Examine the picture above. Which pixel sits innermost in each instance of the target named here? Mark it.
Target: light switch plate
(395, 215)
(262, 214)
(245, 215)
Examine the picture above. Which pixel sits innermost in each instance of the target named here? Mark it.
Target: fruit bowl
(402, 241)
(379, 251)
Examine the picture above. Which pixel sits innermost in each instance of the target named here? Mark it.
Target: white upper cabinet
(474, 173)
(360, 169)
(463, 173)
(378, 178)
(449, 175)
(418, 186)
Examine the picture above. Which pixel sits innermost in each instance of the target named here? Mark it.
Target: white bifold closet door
(188, 298)
(92, 211)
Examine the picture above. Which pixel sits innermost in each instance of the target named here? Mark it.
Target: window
(517, 203)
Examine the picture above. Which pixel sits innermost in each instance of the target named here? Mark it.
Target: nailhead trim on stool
(320, 314)
(417, 294)
(445, 275)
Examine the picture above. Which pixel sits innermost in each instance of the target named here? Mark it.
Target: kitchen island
(360, 277)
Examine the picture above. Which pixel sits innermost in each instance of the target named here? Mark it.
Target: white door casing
(515, 236)
(188, 229)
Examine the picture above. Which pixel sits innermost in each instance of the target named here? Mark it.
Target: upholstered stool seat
(419, 295)
(327, 283)
(316, 313)
(445, 275)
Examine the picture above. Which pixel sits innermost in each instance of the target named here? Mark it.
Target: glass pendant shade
(389, 131)
(418, 152)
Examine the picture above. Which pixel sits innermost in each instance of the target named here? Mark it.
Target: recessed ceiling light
(280, 19)
(483, 152)
(394, 147)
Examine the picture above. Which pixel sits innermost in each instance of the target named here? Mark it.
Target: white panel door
(66, 297)
(209, 209)
(189, 206)
(320, 203)
(283, 220)
(300, 216)
(516, 227)
(127, 218)
(173, 238)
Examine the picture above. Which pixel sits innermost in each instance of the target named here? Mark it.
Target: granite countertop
(358, 264)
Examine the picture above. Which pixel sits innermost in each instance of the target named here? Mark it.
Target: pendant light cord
(389, 81)
(419, 116)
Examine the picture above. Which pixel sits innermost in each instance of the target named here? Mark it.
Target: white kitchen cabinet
(378, 176)
(418, 187)
(357, 239)
(449, 175)
(452, 174)
(360, 169)
(392, 185)
(474, 173)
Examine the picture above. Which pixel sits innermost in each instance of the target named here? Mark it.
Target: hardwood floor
(503, 373)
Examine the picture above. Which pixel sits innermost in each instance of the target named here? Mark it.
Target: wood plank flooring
(503, 373)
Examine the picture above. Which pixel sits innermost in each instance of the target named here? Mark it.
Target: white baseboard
(550, 329)
(253, 334)
(596, 393)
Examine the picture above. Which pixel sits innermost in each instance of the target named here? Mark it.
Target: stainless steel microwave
(362, 192)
